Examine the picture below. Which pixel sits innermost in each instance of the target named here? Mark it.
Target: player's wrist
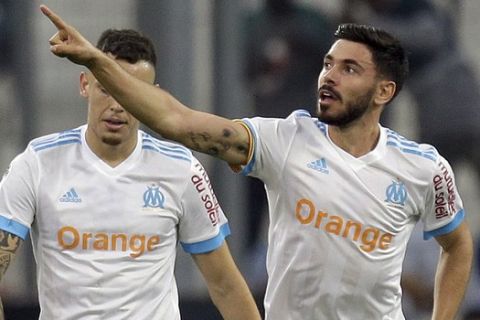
(95, 59)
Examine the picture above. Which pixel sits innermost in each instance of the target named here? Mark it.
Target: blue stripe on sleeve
(207, 245)
(447, 228)
(14, 227)
(56, 144)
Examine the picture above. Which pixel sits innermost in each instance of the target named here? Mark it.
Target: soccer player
(344, 192)
(106, 204)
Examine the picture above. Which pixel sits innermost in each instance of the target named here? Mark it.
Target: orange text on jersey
(369, 237)
(70, 238)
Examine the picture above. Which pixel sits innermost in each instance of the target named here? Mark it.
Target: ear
(83, 85)
(385, 91)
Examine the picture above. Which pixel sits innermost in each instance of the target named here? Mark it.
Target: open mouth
(327, 94)
(114, 123)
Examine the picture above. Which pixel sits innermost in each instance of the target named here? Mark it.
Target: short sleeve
(203, 225)
(17, 195)
(272, 138)
(444, 208)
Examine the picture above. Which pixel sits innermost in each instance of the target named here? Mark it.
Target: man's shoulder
(295, 115)
(299, 122)
(55, 140)
(167, 148)
(423, 156)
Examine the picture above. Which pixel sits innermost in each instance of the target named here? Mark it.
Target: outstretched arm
(156, 108)
(453, 272)
(9, 244)
(227, 288)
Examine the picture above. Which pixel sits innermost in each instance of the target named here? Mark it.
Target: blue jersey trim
(447, 228)
(322, 126)
(62, 138)
(14, 227)
(301, 113)
(208, 245)
(57, 144)
(248, 168)
(156, 149)
(75, 133)
(411, 147)
(424, 154)
(168, 149)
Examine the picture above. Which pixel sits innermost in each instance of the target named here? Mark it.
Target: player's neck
(358, 139)
(112, 154)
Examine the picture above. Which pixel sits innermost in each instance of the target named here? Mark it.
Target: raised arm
(453, 272)
(9, 244)
(156, 108)
(228, 290)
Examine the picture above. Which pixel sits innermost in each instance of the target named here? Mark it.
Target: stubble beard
(353, 111)
(111, 141)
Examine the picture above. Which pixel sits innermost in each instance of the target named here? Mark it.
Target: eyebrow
(345, 61)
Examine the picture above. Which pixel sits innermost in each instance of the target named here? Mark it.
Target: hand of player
(67, 42)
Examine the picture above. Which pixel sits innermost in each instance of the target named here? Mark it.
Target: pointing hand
(67, 42)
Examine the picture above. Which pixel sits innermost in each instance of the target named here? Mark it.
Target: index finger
(56, 20)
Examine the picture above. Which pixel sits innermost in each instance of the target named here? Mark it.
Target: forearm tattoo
(8, 245)
(217, 146)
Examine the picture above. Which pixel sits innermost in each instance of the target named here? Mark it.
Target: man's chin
(325, 117)
(324, 112)
(111, 139)
(335, 121)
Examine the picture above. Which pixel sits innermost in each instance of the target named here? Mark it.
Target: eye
(327, 65)
(350, 70)
(103, 91)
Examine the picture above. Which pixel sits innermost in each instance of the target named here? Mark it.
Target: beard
(111, 140)
(353, 111)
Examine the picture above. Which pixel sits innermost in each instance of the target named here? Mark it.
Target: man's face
(347, 83)
(108, 122)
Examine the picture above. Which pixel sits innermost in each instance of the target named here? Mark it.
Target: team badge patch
(396, 193)
(153, 197)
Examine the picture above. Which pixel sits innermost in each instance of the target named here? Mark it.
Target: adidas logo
(70, 196)
(319, 165)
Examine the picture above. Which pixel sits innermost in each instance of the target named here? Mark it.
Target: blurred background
(245, 58)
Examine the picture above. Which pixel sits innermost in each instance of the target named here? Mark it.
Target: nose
(115, 106)
(329, 76)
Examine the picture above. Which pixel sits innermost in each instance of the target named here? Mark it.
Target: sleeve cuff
(208, 245)
(14, 227)
(452, 225)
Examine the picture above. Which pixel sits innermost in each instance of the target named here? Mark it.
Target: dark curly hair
(390, 58)
(128, 45)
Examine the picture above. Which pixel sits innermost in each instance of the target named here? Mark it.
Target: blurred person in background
(106, 205)
(284, 41)
(344, 192)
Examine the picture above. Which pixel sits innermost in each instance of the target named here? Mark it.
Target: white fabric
(105, 238)
(339, 225)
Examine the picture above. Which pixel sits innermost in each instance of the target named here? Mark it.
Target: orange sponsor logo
(70, 238)
(369, 238)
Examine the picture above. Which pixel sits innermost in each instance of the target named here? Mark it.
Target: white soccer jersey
(105, 238)
(339, 225)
